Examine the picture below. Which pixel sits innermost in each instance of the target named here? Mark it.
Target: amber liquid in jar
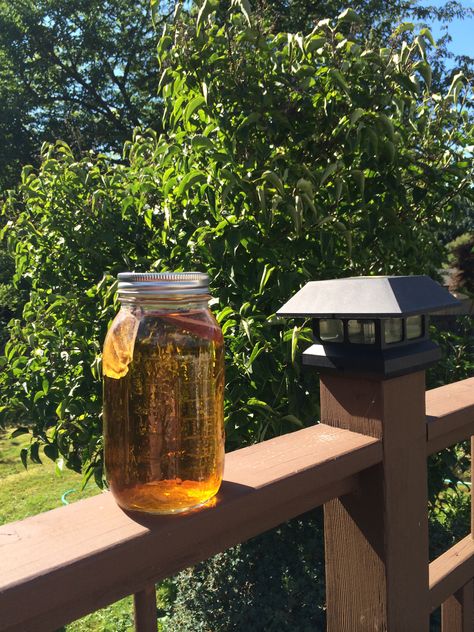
(163, 408)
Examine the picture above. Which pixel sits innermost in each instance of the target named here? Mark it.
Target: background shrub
(10, 297)
(461, 258)
(285, 158)
(274, 583)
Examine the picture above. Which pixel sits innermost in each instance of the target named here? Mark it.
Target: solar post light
(371, 347)
(370, 325)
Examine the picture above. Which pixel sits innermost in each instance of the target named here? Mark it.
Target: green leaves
(314, 42)
(294, 343)
(205, 10)
(328, 172)
(426, 33)
(356, 115)
(192, 106)
(199, 141)
(19, 431)
(266, 274)
(403, 28)
(338, 78)
(293, 158)
(359, 179)
(349, 15)
(273, 179)
(457, 83)
(387, 125)
(245, 8)
(190, 179)
(305, 187)
(425, 71)
(155, 8)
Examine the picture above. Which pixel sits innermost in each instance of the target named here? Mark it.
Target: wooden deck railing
(65, 563)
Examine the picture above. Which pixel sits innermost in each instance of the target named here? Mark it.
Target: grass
(25, 493)
(28, 492)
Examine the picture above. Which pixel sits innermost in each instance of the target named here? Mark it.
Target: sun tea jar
(163, 368)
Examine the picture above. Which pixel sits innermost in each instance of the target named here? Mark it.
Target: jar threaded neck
(162, 284)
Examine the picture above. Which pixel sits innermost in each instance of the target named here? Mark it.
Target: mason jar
(163, 369)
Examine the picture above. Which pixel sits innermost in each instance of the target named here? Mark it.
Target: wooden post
(376, 539)
(457, 611)
(145, 609)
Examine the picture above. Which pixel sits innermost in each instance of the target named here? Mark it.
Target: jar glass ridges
(163, 366)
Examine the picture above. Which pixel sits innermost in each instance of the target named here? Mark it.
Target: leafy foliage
(457, 345)
(450, 520)
(461, 258)
(285, 158)
(10, 297)
(448, 468)
(251, 587)
(378, 17)
(84, 71)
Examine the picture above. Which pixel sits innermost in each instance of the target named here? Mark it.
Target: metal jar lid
(162, 284)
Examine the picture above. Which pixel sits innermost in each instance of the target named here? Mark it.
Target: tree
(83, 71)
(17, 144)
(284, 158)
(300, 15)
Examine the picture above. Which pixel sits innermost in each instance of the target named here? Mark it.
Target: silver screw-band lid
(167, 284)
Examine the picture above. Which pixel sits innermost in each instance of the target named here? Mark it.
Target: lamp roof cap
(369, 297)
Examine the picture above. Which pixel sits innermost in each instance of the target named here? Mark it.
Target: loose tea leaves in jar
(163, 366)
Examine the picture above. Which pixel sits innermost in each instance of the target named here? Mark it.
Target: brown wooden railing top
(72, 560)
(451, 570)
(449, 414)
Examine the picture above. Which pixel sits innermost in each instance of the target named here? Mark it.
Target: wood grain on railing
(451, 571)
(65, 563)
(457, 612)
(144, 603)
(376, 541)
(449, 414)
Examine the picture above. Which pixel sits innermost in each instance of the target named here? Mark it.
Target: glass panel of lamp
(393, 330)
(414, 325)
(361, 331)
(331, 330)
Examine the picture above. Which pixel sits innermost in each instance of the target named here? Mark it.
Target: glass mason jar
(163, 368)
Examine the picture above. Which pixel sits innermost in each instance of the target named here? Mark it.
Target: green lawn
(39, 488)
(24, 493)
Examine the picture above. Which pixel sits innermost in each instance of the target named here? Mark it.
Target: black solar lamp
(371, 325)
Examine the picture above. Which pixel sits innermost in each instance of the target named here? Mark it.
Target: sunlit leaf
(192, 106)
